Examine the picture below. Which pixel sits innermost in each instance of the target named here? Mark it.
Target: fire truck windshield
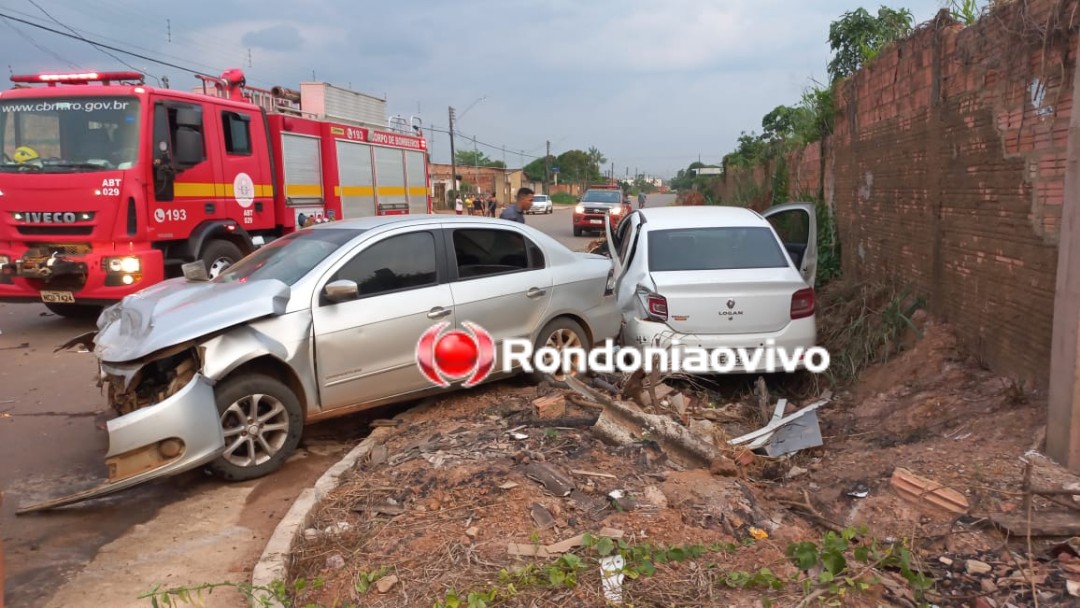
(69, 134)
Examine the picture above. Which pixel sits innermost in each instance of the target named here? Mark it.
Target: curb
(272, 565)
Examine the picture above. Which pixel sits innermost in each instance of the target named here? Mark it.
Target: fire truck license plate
(58, 297)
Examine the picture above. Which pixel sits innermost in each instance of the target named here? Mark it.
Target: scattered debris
(553, 481)
(611, 569)
(858, 490)
(384, 422)
(335, 562)
(552, 406)
(541, 516)
(380, 509)
(974, 566)
(386, 583)
(593, 474)
(1047, 524)
(924, 491)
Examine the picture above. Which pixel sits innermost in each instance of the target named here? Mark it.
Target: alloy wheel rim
(561, 339)
(218, 266)
(256, 427)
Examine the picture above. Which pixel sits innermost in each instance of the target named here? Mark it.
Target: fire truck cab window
(237, 130)
(169, 120)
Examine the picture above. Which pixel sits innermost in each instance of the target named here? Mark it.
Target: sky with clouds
(652, 84)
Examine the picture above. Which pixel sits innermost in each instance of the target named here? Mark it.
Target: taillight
(657, 307)
(802, 303)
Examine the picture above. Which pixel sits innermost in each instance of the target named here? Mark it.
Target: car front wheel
(560, 334)
(262, 421)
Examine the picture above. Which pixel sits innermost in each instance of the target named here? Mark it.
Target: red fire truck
(108, 185)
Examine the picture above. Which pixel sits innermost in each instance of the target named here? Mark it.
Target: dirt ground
(464, 500)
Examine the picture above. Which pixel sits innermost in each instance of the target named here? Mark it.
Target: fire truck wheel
(75, 311)
(219, 255)
(263, 422)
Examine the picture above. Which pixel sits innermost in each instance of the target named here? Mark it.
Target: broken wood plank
(920, 490)
(620, 423)
(592, 474)
(553, 481)
(1046, 523)
(541, 516)
(552, 406)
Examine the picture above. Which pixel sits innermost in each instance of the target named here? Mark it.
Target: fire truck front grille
(68, 248)
(66, 282)
(56, 230)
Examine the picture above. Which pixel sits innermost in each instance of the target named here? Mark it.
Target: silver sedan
(330, 320)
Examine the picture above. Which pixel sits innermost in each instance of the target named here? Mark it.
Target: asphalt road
(557, 223)
(50, 445)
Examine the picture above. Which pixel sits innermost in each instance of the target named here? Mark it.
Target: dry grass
(863, 325)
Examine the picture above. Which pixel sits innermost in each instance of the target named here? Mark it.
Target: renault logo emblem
(730, 304)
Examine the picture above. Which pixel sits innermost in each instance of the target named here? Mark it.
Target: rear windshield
(714, 249)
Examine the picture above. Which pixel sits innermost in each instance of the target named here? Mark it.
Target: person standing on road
(491, 204)
(459, 205)
(523, 202)
(641, 200)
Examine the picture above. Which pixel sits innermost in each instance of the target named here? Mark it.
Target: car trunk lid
(742, 301)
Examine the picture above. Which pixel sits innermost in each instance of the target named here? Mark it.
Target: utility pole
(612, 170)
(453, 156)
(547, 166)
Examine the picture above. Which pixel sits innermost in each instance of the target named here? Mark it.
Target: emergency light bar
(83, 78)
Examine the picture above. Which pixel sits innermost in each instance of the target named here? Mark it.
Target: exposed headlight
(616, 210)
(128, 265)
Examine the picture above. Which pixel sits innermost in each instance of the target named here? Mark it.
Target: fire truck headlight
(18, 216)
(127, 265)
(4, 260)
(128, 279)
(130, 265)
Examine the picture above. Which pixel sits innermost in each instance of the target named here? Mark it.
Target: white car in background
(717, 277)
(541, 204)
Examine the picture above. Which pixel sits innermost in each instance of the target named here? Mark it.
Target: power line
(39, 47)
(58, 22)
(111, 48)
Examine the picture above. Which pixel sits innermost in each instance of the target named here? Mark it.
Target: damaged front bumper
(177, 434)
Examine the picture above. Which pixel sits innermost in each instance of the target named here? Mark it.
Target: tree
(576, 166)
(857, 37)
(598, 160)
(534, 171)
(475, 158)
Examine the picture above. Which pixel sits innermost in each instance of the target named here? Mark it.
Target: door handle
(535, 292)
(438, 312)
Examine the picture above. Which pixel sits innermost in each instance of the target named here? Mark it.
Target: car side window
(491, 251)
(397, 263)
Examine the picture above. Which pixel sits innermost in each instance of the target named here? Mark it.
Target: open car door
(796, 225)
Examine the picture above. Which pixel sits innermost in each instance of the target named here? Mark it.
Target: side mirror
(341, 291)
(189, 148)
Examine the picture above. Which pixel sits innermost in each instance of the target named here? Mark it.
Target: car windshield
(602, 196)
(727, 248)
(289, 258)
(69, 135)
(540, 198)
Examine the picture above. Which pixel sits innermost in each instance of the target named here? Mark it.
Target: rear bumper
(83, 276)
(797, 337)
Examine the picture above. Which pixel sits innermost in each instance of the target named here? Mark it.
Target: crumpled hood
(176, 311)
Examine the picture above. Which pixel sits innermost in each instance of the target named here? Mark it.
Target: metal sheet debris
(802, 433)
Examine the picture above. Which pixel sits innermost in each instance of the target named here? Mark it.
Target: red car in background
(594, 207)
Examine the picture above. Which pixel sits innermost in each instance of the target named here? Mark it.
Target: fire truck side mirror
(189, 148)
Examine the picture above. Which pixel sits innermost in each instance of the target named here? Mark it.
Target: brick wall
(946, 170)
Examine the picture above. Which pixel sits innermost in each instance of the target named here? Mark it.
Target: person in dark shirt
(516, 212)
(491, 204)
